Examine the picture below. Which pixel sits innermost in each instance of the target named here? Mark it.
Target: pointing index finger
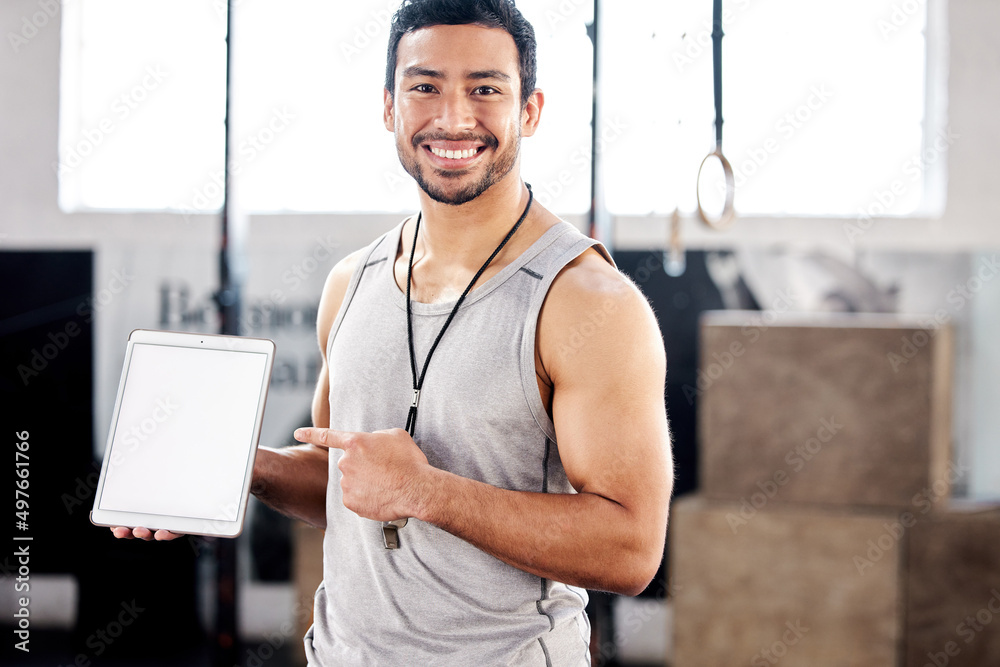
(322, 437)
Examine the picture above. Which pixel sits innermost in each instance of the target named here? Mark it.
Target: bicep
(608, 402)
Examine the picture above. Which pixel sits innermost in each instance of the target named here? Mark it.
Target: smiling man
(490, 438)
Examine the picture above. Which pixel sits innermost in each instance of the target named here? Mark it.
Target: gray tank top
(438, 600)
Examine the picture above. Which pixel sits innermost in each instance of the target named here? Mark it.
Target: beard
(495, 170)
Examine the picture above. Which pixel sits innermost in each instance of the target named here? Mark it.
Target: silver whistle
(390, 532)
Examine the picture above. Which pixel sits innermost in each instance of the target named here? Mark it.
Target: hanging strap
(717, 35)
(728, 210)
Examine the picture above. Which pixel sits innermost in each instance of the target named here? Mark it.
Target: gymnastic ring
(728, 212)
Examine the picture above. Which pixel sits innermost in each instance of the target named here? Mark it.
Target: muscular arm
(610, 420)
(293, 480)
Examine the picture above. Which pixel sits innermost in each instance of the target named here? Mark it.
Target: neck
(468, 232)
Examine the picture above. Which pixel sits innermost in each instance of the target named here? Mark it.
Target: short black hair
(415, 14)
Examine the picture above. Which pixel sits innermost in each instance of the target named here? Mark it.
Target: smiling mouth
(455, 155)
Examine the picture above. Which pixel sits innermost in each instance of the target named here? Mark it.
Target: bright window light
(824, 106)
(142, 102)
(306, 108)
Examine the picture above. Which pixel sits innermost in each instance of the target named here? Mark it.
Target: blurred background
(831, 357)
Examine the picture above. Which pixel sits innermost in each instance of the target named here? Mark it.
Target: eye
(423, 88)
(486, 90)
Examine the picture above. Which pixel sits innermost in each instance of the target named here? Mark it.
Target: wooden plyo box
(953, 590)
(835, 409)
(834, 587)
(782, 588)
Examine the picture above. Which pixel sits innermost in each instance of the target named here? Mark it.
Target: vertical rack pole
(600, 226)
(600, 607)
(225, 648)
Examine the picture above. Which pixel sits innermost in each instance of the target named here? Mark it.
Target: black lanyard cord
(418, 382)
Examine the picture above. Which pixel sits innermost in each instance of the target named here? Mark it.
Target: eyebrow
(414, 70)
(417, 71)
(489, 74)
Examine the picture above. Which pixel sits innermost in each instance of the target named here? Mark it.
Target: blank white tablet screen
(184, 432)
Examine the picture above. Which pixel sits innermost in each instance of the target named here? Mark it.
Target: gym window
(143, 104)
(829, 110)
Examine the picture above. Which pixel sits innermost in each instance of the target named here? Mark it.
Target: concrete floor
(642, 644)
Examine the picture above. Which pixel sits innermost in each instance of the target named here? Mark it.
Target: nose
(456, 113)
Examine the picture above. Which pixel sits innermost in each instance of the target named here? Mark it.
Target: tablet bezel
(179, 524)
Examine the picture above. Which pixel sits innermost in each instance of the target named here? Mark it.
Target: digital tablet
(184, 433)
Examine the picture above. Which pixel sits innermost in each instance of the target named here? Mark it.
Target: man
(536, 460)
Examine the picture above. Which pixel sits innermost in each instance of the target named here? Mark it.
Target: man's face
(456, 112)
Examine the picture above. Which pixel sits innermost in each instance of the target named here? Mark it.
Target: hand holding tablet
(183, 435)
(123, 532)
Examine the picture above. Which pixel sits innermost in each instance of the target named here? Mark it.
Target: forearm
(580, 539)
(293, 481)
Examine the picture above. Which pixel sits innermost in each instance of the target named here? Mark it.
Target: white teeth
(453, 155)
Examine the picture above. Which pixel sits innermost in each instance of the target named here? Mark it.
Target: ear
(532, 112)
(387, 112)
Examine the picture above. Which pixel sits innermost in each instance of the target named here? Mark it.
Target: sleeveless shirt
(438, 600)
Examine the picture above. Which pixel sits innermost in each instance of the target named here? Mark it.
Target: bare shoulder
(591, 275)
(593, 313)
